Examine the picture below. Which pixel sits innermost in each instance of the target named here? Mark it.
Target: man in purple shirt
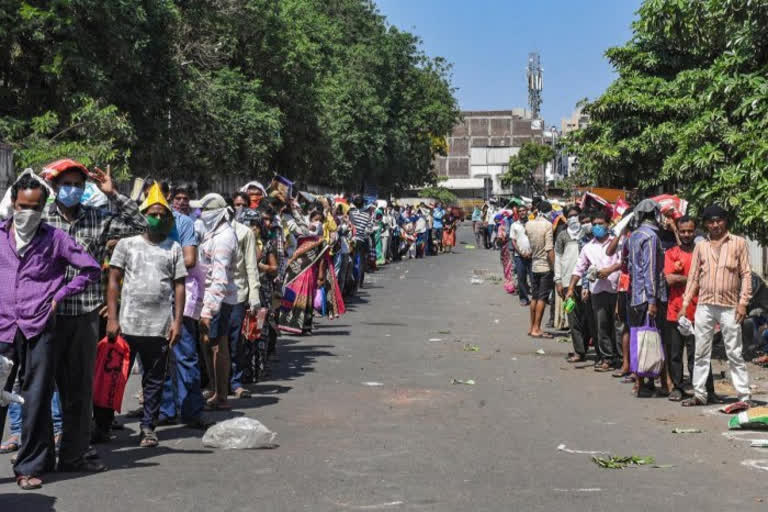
(34, 258)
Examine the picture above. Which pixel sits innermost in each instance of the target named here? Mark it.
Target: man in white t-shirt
(522, 251)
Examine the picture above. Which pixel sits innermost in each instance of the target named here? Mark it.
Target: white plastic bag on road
(239, 434)
(6, 365)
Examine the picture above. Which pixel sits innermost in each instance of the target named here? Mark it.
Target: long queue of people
(684, 278)
(196, 290)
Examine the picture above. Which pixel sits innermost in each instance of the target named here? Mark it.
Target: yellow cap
(154, 196)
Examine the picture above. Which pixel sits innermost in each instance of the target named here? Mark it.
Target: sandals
(575, 359)
(11, 445)
(149, 439)
(214, 405)
(620, 374)
(675, 396)
(28, 482)
(693, 402)
(605, 367)
(242, 393)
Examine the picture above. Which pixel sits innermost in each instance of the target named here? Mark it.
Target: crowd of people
(610, 273)
(195, 290)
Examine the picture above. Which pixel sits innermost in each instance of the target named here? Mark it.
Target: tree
(523, 165)
(442, 194)
(322, 91)
(688, 113)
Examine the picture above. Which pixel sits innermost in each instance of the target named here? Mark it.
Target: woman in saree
(378, 237)
(309, 268)
(449, 231)
(507, 261)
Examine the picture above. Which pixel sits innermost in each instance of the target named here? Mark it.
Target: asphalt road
(368, 419)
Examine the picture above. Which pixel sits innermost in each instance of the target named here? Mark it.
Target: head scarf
(647, 208)
(254, 202)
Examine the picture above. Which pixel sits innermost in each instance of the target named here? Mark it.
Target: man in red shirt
(677, 264)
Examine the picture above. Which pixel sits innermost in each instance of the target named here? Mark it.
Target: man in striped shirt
(361, 220)
(721, 277)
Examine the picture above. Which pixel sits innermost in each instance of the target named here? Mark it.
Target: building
(479, 148)
(577, 121)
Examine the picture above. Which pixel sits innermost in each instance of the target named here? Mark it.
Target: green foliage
(688, 113)
(523, 165)
(323, 91)
(442, 194)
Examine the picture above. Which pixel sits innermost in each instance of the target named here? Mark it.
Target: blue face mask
(69, 195)
(599, 231)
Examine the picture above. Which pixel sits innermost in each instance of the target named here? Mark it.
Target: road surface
(368, 419)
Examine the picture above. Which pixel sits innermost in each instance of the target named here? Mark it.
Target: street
(368, 418)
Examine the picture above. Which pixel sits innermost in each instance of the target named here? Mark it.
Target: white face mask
(25, 224)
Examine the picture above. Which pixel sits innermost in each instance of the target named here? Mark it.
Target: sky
(488, 42)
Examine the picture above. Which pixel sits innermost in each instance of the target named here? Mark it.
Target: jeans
(16, 412)
(604, 309)
(236, 355)
(34, 361)
(75, 342)
(154, 356)
(182, 393)
(707, 316)
(524, 271)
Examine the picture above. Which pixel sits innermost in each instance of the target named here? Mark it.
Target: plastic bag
(6, 365)
(6, 208)
(239, 434)
(754, 418)
(253, 323)
(320, 300)
(646, 350)
(113, 362)
(93, 197)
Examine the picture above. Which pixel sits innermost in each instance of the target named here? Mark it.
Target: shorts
(542, 285)
(220, 322)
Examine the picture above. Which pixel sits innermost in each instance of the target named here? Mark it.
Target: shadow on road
(27, 502)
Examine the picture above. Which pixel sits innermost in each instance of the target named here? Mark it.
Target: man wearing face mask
(147, 273)
(41, 268)
(603, 288)
(567, 248)
(218, 254)
(77, 327)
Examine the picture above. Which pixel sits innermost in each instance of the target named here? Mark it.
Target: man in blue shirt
(182, 394)
(648, 289)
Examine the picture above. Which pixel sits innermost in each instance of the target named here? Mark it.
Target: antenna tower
(535, 84)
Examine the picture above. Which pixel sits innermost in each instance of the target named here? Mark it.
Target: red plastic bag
(113, 362)
(253, 323)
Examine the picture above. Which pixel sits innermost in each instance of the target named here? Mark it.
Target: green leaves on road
(616, 462)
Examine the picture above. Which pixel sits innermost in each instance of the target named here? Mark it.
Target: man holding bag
(648, 289)
(721, 277)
